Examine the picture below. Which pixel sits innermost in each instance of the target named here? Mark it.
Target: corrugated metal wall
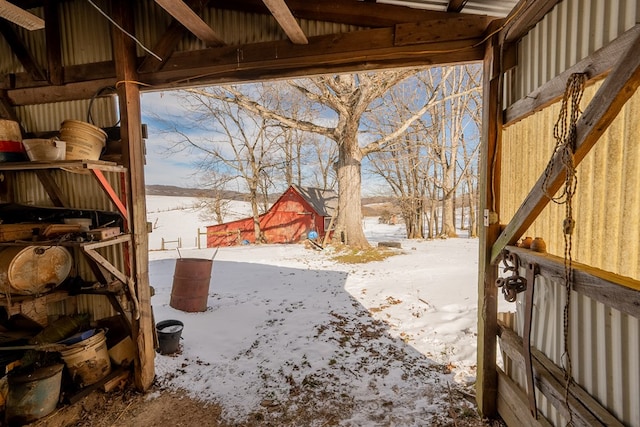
(607, 200)
(605, 343)
(569, 33)
(604, 350)
(48, 117)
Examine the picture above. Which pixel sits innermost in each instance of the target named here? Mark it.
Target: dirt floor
(126, 408)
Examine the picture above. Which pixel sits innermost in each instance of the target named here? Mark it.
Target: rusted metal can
(190, 289)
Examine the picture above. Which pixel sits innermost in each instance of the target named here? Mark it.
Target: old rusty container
(190, 288)
(33, 270)
(33, 395)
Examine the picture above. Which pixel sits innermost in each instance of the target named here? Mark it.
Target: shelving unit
(107, 274)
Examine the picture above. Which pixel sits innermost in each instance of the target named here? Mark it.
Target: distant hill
(371, 206)
(172, 190)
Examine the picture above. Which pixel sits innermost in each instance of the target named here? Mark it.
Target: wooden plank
(512, 404)
(169, 41)
(486, 383)
(453, 28)
(55, 193)
(21, 51)
(619, 86)
(532, 270)
(523, 17)
(549, 380)
(21, 17)
(287, 22)
(133, 156)
(52, 37)
(596, 65)
(187, 17)
(104, 263)
(613, 290)
(59, 164)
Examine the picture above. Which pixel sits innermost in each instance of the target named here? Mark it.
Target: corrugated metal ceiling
(498, 8)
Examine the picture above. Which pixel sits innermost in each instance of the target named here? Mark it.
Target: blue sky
(163, 168)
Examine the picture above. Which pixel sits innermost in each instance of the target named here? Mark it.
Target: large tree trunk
(349, 225)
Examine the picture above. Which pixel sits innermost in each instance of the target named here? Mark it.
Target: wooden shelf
(74, 165)
(72, 244)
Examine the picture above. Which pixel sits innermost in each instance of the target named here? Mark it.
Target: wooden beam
(55, 193)
(21, 51)
(287, 22)
(596, 65)
(20, 16)
(52, 37)
(187, 17)
(133, 156)
(456, 5)
(453, 28)
(6, 109)
(486, 382)
(168, 41)
(613, 290)
(523, 17)
(357, 51)
(619, 86)
(512, 404)
(549, 380)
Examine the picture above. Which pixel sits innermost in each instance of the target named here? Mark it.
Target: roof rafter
(282, 14)
(456, 5)
(187, 17)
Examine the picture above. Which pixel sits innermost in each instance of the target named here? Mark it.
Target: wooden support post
(486, 384)
(133, 155)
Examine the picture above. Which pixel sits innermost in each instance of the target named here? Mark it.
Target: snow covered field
(289, 330)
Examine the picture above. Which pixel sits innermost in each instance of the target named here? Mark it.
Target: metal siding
(604, 348)
(573, 30)
(84, 33)
(48, 117)
(605, 342)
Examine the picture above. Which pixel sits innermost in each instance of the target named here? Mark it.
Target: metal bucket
(169, 333)
(190, 289)
(33, 395)
(33, 270)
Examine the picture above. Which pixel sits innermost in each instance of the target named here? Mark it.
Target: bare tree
(213, 202)
(428, 162)
(348, 97)
(451, 113)
(229, 142)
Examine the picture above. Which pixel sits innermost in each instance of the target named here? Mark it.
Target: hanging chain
(564, 133)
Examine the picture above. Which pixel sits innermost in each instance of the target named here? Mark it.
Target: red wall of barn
(288, 221)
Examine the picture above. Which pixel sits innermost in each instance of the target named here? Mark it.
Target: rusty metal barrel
(190, 288)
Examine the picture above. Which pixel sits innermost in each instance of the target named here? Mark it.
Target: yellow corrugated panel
(607, 202)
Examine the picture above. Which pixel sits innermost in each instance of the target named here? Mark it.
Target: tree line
(417, 129)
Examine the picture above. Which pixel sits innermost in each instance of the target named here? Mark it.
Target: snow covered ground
(289, 331)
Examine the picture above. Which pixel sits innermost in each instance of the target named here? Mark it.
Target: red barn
(299, 211)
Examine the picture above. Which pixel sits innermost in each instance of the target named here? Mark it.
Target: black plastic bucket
(169, 333)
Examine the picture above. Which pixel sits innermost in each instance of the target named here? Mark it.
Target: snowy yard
(290, 334)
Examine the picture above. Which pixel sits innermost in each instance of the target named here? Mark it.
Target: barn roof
(324, 202)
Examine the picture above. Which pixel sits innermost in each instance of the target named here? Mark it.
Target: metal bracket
(532, 270)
